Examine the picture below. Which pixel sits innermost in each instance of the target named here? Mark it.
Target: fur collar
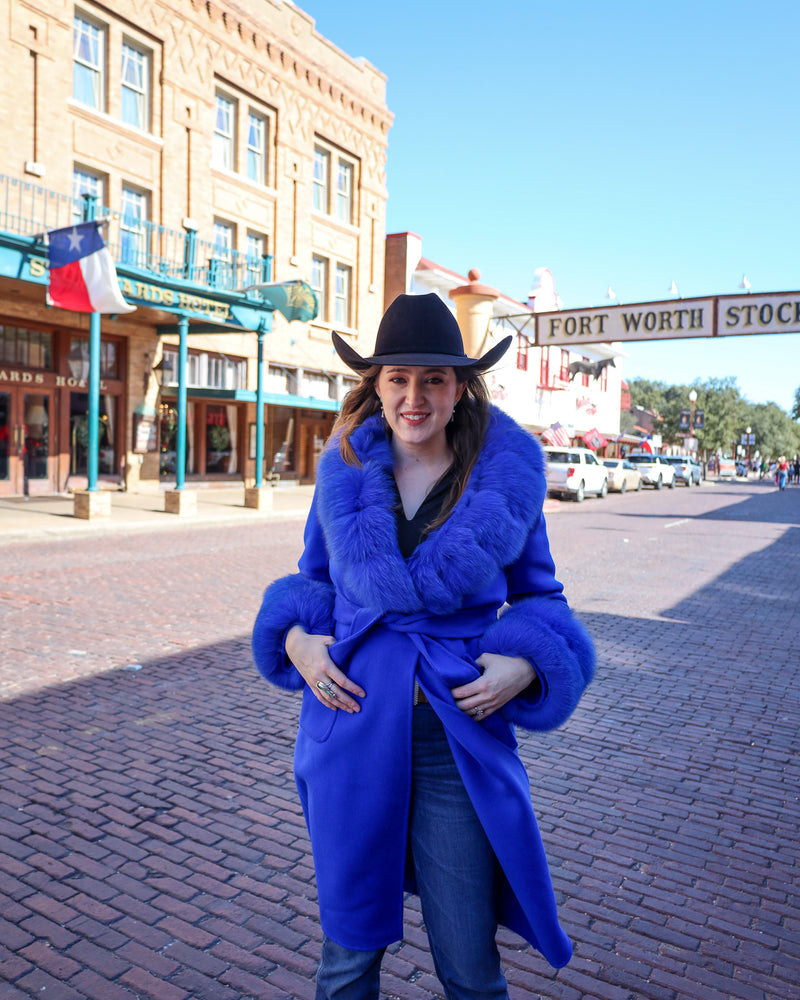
(484, 534)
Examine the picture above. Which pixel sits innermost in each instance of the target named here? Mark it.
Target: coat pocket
(316, 720)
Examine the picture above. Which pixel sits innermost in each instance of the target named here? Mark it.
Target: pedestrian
(797, 469)
(427, 518)
(783, 472)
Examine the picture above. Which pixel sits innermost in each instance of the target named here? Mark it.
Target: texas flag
(82, 273)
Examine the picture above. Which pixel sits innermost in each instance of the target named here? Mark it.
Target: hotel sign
(720, 316)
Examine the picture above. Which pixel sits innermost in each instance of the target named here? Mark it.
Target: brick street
(152, 844)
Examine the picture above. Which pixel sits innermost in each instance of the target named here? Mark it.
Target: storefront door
(26, 446)
(312, 439)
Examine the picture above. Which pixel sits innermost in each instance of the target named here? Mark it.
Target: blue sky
(629, 144)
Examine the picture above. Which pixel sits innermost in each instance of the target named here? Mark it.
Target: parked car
(622, 475)
(655, 469)
(686, 469)
(575, 472)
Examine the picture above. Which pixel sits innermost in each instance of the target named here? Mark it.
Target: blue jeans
(456, 872)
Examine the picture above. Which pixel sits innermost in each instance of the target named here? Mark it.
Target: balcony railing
(137, 245)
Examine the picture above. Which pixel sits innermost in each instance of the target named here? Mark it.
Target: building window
(206, 371)
(132, 227)
(344, 191)
(544, 367)
(522, 353)
(222, 254)
(257, 148)
(225, 133)
(322, 172)
(256, 253)
(27, 348)
(78, 359)
(88, 63)
(330, 168)
(604, 379)
(585, 376)
(223, 240)
(135, 87)
(319, 284)
(342, 295)
(564, 370)
(85, 184)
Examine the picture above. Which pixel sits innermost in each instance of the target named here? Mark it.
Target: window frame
(343, 317)
(97, 73)
(137, 230)
(345, 216)
(222, 140)
(253, 115)
(77, 194)
(544, 367)
(330, 197)
(256, 249)
(523, 345)
(321, 184)
(142, 95)
(320, 287)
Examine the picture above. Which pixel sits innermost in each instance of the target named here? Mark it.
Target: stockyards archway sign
(720, 316)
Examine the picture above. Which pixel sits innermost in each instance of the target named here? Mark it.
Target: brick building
(227, 146)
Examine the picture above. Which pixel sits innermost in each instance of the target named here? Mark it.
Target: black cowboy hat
(419, 330)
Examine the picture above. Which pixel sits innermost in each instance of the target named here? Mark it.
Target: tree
(796, 405)
(723, 406)
(718, 398)
(776, 433)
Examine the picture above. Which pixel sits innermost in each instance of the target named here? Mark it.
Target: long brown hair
(465, 432)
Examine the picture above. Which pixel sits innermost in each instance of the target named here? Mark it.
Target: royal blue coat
(427, 619)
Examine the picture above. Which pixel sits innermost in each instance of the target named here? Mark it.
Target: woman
(783, 472)
(426, 520)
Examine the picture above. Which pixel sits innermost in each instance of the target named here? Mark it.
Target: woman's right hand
(309, 654)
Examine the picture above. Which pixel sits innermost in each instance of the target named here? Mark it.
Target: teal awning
(270, 398)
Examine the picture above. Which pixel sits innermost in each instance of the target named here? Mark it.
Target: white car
(686, 469)
(655, 470)
(575, 472)
(622, 475)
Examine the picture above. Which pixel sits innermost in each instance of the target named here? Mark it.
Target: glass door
(36, 423)
(6, 434)
(25, 443)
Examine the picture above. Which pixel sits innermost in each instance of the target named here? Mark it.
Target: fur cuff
(546, 633)
(292, 600)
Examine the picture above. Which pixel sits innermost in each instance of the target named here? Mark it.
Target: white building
(532, 384)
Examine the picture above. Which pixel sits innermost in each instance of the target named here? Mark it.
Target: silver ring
(478, 713)
(324, 686)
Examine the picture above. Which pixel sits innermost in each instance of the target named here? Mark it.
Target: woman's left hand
(502, 679)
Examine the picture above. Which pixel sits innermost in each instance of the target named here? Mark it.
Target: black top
(411, 532)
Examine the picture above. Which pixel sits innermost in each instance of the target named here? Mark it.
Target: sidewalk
(28, 519)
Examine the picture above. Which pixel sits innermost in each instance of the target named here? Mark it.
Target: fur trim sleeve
(292, 600)
(547, 634)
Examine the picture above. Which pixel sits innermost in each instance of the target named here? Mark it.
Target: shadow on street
(152, 844)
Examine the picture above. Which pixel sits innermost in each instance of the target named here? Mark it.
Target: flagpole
(94, 401)
(183, 356)
(260, 407)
